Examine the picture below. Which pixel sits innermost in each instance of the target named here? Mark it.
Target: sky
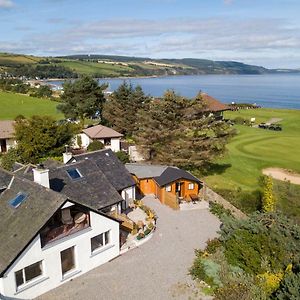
(260, 32)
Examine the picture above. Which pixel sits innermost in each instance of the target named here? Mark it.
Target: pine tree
(179, 132)
(120, 110)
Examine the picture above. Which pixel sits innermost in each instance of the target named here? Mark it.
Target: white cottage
(7, 139)
(110, 138)
(49, 237)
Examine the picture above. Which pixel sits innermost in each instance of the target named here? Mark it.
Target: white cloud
(6, 4)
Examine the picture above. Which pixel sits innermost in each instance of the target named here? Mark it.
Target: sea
(268, 90)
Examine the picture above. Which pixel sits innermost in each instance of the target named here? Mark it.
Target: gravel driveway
(157, 269)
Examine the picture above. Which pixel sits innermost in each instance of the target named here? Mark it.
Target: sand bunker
(282, 174)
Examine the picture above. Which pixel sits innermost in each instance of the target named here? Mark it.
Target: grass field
(254, 149)
(12, 105)
(91, 68)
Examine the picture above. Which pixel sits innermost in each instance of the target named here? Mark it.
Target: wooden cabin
(169, 184)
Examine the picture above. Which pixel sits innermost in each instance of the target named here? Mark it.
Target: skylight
(16, 202)
(74, 173)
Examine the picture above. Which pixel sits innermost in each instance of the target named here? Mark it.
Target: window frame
(106, 241)
(26, 282)
(70, 271)
(169, 188)
(191, 183)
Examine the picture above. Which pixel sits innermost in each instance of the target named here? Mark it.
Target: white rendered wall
(50, 255)
(10, 143)
(128, 195)
(115, 144)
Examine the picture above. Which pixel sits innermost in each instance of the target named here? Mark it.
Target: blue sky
(262, 32)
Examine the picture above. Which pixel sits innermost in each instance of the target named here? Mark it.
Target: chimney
(41, 176)
(66, 157)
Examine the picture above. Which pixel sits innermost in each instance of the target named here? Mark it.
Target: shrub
(289, 288)
(123, 157)
(239, 120)
(219, 210)
(270, 281)
(147, 231)
(213, 245)
(268, 199)
(140, 236)
(94, 146)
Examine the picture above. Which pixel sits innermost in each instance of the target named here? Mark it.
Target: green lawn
(254, 149)
(12, 105)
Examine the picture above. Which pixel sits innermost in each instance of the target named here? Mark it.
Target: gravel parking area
(157, 269)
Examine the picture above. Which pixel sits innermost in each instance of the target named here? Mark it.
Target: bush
(123, 157)
(213, 245)
(147, 231)
(289, 288)
(94, 146)
(268, 199)
(219, 210)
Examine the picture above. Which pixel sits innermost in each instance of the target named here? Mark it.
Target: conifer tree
(120, 110)
(178, 131)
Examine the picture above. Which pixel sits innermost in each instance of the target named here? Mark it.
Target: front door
(179, 189)
(3, 145)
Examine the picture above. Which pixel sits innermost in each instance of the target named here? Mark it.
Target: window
(107, 141)
(67, 260)
(100, 240)
(29, 273)
(74, 173)
(16, 202)
(191, 186)
(168, 188)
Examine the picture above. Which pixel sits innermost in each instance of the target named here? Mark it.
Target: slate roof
(101, 132)
(92, 189)
(145, 171)
(172, 173)
(20, 225)
(7, 129)
(111, 166)
(212, 104)
(5, 178)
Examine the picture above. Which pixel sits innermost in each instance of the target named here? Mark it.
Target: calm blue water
(276, 91)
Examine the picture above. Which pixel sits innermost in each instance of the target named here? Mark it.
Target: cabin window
(168, 188)
(191, 186)
(29, 273)
(100, 240)
(67, 260)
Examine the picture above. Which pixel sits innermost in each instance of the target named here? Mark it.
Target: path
(157, 269)
(282, 174)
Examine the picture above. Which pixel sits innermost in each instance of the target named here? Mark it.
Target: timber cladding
(169, 199)
(147, 186)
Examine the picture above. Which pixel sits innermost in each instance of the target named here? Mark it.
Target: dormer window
(74, 173)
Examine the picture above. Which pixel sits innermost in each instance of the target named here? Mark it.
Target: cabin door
(179, 189)
(3, 145)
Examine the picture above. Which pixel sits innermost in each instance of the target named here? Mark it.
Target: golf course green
(254, 149)
(12, 105)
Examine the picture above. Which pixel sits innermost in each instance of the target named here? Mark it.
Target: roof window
(74, 173)
(16, 202)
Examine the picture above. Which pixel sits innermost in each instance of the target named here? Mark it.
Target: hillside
(116, 66)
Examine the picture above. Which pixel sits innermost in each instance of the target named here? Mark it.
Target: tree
(268, 198)
(44, 91)
(82, 98)
(177, 131)
(40, 137)
(120, 110)
(94, 146)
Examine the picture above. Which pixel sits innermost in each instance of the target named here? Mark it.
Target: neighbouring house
(169, 184)
(7, 139)
(213, 106)
(112, 168)
(53, 228)
(110, 138)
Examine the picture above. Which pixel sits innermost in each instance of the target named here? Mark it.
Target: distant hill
(117, 66)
